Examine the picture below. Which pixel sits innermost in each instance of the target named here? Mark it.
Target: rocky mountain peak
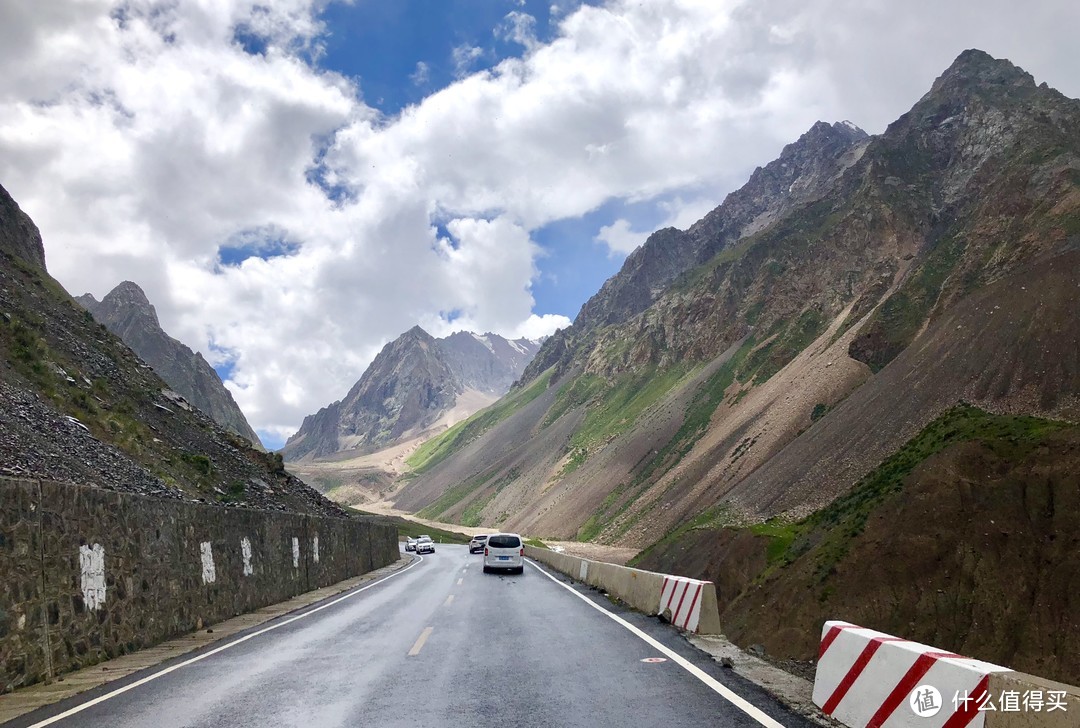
(823, 133)
(979, 112)
(128, 313)
(407, 389)
(130, 299)
(974, 68)
(19, 236)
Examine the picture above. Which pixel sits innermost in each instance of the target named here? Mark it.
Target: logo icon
(925, 701)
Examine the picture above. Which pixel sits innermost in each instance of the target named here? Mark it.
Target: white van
(504, 551)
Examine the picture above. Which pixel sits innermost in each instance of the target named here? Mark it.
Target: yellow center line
(419, 645)
(449, 600)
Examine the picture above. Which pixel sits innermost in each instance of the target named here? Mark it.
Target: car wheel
(487, 570)
(520, 570)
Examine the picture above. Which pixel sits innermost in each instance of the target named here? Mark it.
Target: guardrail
(689, 604)
(868, 679)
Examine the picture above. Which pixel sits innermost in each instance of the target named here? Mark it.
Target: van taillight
(485, 551)
(522, 550)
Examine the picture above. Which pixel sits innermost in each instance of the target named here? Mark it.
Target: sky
(295, 183)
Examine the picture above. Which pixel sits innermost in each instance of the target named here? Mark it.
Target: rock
(18, 234)
(128, 313)
(412, 383)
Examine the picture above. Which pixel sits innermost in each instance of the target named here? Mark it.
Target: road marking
(655, 659)
(724, 692)
(102, 698)
(419, 644)
(459, 581)
(449, 600)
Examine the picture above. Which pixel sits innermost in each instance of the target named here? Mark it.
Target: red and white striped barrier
(681, 598)
(868, 679)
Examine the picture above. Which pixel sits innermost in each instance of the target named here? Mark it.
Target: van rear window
(504, 542)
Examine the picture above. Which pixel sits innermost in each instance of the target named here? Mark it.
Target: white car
(424, 545)
(410, 544)
(476, 545)
(504, 551)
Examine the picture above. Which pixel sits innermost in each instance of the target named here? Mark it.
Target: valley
(872, 339)
(846, 390)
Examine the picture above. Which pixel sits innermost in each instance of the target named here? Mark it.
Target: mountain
(78, 405)
(758, 365)
(19, 236)
(805, 169)
(965, 538)
(415, 384)
(487, 363)
(127, 312)
(867, 406)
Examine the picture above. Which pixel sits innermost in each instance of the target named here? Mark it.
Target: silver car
(424, 545)
(410, 544)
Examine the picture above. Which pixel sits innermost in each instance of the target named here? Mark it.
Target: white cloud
(682, 213)
(421, 75)
(142, 139)
(519, 27)
(622, 240)
(463, 58)
(619, 238)
(537, 327)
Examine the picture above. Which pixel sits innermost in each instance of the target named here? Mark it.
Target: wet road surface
(438, 644)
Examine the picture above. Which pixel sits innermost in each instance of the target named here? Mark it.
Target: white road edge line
(681, 661)
(102, 698)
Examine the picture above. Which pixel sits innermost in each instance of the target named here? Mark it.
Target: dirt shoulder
(594, 551)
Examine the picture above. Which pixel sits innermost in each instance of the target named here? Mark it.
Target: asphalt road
(439, 644)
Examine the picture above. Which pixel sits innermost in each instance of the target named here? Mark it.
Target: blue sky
(379, 43)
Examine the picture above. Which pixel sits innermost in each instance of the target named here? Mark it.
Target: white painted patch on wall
(583, 572)
(245, 552)
(295, 552)
(315, 548)
(209, 574)
(92, 573)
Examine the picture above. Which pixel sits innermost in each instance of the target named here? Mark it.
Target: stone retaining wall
(88, 574)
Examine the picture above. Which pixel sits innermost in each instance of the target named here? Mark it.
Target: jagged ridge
(411, 384)
(128, 313)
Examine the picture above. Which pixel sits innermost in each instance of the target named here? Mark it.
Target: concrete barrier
(689, 604)
(868, 679)
(680, 601)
